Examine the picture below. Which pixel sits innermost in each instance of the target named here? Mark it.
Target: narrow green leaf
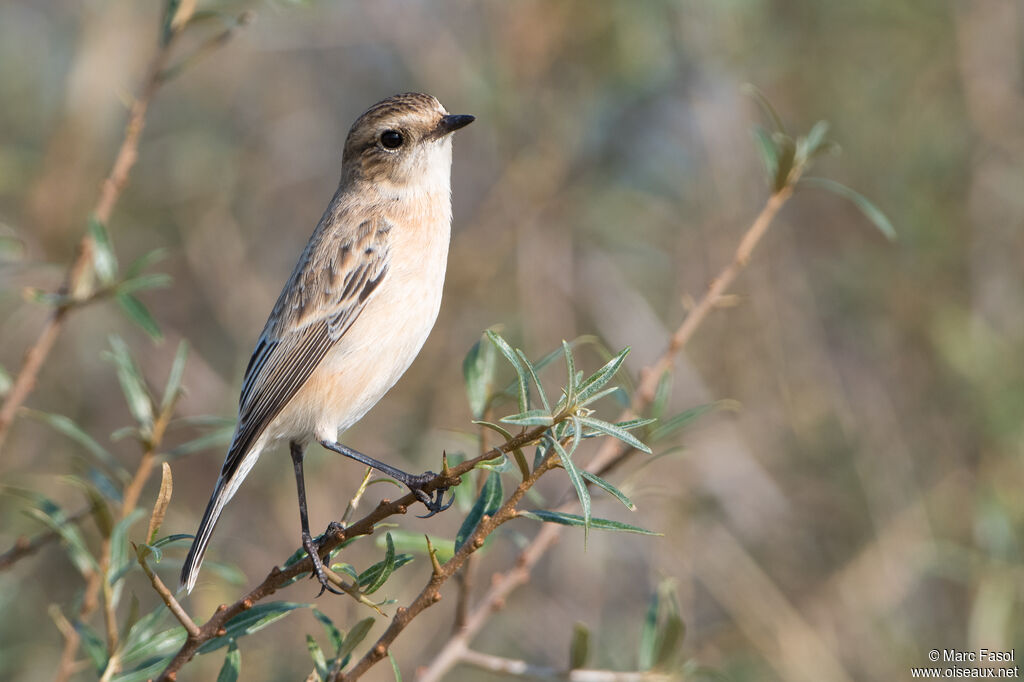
(787, 158)
(815, 139)
(600, 394)
(138, 313)
(635, 423)
(248, 622)
(530, 418)
(213, 439)
(143, 640)
(577, 482)
(768, 153)
(598, 379)
(151, 280)
(609, 488)
(662, 394)
(478, 370)
(104, 262)
(570, 371)
(132, 384)
(486, 503)
(171, 539)
(566, 519)
(70, 536)
(753, 91)
(356, 635)
(144, 262)
(232, 664)
(173, 386)
(333, 633)
(870, 211)
(93, 645)
(669, 426)
(533, 375)
(615, 432)
(319, 662)
(371, 582)
(510, 355)
(394, 667)
(579, 649)
(649, 634)
(408, 541)
(149, 669)
(119, 555)
(67, 427)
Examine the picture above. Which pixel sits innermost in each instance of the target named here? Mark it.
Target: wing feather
(323, 297)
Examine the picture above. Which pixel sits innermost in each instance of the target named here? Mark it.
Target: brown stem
(24, 546)
(79, 271)
(175, 607)
(612, 451)
(278, 577)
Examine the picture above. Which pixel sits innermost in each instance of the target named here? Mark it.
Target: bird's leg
(415, 483)
(307, 539)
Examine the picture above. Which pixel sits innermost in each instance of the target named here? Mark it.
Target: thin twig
(511, 666)
(175, 607)
(25, 546)
(279, 577)
(612, 451)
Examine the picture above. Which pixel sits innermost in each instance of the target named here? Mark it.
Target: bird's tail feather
(222, 493)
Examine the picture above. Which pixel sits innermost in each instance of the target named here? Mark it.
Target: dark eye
(391, 139)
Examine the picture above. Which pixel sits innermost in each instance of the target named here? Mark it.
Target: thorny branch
(612, 452)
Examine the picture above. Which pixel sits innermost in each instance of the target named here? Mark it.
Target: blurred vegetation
(860, 508)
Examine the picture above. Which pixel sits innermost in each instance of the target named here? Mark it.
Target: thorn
(433, 556)
(445, 471)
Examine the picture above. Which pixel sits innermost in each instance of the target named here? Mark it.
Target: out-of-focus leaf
(248, 622)
(663, 630)
(373, 578)
(132, 384)
(615, 432)
(93, 645)
(216, 438)
(649, 634)
(787, 158)
(333, 633)
(319, 662)
(163, 499)
(814, 140)
(669, 426)
(232, 664)
(579, 649)
(870, 211)
(11, 248)
(478, 369)
(151, 280)
(513, 359)
(5, 381)
(104, 262)
(143, 263)
(768, 153)
(486, 503)
(142, 639)
(570, 371)
(609, 488)
(173, 386)
(356, 635)
(754, 92)
(119, 556)
(408, 541)
(598, 379)
(55, 519)
(576, 478)
(138, 313)
(149, 669)
(394, 667)
(662, 394)
(565, 519)
(66, 426)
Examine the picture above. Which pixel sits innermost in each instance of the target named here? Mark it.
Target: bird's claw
(318, 568)
(434, 504)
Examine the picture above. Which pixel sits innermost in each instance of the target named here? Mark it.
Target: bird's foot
(435, 503)
(318, 566)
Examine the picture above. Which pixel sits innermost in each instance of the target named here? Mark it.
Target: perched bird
(357, 308)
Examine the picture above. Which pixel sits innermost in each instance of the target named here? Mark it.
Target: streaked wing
(322, 299)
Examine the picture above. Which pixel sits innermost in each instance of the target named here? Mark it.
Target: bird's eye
(391, 139)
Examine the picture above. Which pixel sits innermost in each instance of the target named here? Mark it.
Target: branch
(278, 577)
(612, 452)
(509, 666)
(25, 546)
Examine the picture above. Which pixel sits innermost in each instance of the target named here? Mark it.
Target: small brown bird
(357, 308)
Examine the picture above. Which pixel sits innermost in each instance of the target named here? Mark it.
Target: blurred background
(860, 507)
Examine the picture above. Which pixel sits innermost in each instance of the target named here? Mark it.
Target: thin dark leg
(307, 539)
(433, 504)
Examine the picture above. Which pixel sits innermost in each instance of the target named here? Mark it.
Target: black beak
(452, 122)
